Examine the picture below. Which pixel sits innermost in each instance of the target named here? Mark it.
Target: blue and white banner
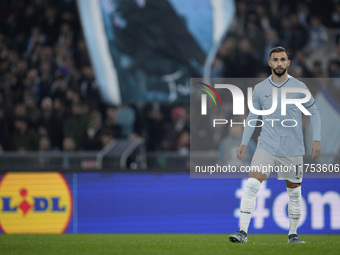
(146, 50)
(157, 203)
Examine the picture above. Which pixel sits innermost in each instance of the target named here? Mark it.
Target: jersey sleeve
(310, 102)
(315, 121)
(249, 130)
(314, 117)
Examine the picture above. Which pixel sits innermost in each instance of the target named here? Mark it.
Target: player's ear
(269, 63)
(288, 62)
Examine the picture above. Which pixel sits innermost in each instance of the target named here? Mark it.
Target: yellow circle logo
(34, 203)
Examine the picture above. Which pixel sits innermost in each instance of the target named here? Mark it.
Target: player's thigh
(261, 165)
(291, 169)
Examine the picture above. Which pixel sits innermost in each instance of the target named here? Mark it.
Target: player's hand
(315, 149)
(240, 152)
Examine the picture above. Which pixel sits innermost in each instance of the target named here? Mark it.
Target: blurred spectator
(76, 124)
(317, 34)
(72, 97)
(297, 72)
(59, 115)
(334, 68)
(47, 54)
(88, 84)
(227, 53)
(157, 118)
(238, 25)
(45, 126)
(20, 111)
(32, 82)
(33, 112)
(256, 38)
(126, 118)
(265, 20)
(71, 72)
(300, 60)
(91, 140)
(6, 108)
(62, 52)
(336, 16)
(318, 70)
(58, 88)
(4, 131)
(285, 32)
(179, 123)
(323, 9)
(336, 53)
(246, 64)
(182, 145)
(33, 58)
(51, 24)
(272, 41)
(303, 13)
(106, 137)
(42, 89)
(66, 35)
(111, 121)
(44, 144)
(217, 68)
(81, 54)
(24, 138)
(36, 38)
(179, 119)
(69, 144)
(299, 35)
(20, 68)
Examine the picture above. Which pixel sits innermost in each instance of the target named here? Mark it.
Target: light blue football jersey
(275, 138)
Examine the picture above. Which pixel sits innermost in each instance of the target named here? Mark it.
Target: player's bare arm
(240, 152)
(315, 149)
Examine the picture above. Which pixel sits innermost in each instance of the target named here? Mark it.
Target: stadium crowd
(307, 29)
(49, 98)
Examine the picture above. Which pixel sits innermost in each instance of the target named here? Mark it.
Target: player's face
(279, 63)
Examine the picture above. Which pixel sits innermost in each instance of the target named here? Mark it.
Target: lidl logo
(34, 203)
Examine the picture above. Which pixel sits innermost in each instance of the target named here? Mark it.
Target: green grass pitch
(173, 244)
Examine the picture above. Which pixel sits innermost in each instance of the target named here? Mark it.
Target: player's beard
(279, 74)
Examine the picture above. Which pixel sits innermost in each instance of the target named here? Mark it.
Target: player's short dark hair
(278, 49)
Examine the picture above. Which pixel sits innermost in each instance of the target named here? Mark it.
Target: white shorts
(287, 168)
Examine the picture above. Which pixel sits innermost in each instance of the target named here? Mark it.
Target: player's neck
(279, 79)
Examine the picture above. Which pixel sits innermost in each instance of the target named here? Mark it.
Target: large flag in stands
(147, 50)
